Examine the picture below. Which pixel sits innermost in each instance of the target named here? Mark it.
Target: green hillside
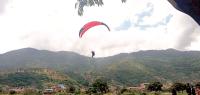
(35, 77)
(123, 69)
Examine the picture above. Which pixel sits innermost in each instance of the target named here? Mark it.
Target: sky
(135, 25)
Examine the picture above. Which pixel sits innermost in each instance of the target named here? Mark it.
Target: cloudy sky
(136, 25)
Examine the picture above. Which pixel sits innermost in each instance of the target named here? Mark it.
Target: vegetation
(197, 85)
(155, 86)
(123, 69)
(32, 92)
(179, 86)
(32, 78)
(23, 79)
(42, 69)
(99, 86)
(82, 3)
(72, 89)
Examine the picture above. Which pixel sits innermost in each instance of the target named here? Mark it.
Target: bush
(155, 86)
(178, 86)
(100, 86)
(197, 85)
(12, 92)
(72, 89)
(123, 90)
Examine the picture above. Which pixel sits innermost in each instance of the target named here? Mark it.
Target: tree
(1, 88)
(188, 89)
(179, 86)
(197, 85)
(174, 92)
(123, 90)
(155, 86)
(193, 90)
(80, 4)
(99, 86)
(72, 89)
(12, 92)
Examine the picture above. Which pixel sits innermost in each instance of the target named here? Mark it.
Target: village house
(54, 89)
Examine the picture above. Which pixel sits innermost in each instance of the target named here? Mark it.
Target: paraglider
(93, 53)
(190, 7)
(89, 25)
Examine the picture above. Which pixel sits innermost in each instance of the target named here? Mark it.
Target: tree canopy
(179, 86)
(80, 4)
(155, 86)
(99, 86)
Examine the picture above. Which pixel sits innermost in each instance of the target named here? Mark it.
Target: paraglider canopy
(89, 25)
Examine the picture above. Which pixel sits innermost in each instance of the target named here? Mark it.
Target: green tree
(155, 86)
(123, 90)
(1, 89)
(12, 92)
(99, 86)
(72, 89)
(197, 85)
(179, 86)
(80, 4)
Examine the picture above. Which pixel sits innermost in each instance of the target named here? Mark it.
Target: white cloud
(3, 5)
(54, 25)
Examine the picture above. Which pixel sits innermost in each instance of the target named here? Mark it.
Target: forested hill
(125, 68)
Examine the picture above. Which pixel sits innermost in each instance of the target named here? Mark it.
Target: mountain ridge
(124, 68)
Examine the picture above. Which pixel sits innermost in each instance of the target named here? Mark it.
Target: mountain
(123, 69)
(32, 58)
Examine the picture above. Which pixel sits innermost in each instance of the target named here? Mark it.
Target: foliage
(123, 90)
(23, 79)
(179, 86)
(12, 92)
(72, 89)
(82, 3)
(188, 88)
(99, 86)
(77, 91)
(1, 89)
(155, 86)
(80, 79)
(123, 69)
(197, 85)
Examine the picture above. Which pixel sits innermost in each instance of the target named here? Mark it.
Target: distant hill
(125, 68)
(35, 77)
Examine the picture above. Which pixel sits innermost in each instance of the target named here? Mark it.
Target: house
(48, 91)
(54, 89)
(58, 88)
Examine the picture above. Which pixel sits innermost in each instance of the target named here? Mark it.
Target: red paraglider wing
(90, 25)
